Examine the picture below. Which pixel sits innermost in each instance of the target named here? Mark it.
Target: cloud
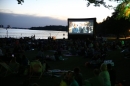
(24, 20)
(6, 11)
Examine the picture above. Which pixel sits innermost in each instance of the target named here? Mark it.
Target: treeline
(114, 26)
(52, 27)
(1, 26)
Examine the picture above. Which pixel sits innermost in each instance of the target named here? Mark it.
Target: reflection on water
(42, 34)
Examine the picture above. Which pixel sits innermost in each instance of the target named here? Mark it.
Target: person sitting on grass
(71, 79)
(25, 61)
(14, 65)
(68, 80)
(47, 66)
(112, 74)
(105, 75)
(24, 64)
(78, 76)
(1, 53)
(41, 54)
(35, 66)
(64, 81)
(96, 80)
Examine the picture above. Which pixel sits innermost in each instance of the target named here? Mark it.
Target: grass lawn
(121, 65)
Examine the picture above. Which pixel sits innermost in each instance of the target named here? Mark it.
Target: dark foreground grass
(122, 67)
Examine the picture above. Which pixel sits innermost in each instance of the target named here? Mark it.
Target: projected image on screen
(81, 27)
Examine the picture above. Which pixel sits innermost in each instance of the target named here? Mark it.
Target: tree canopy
(98, 3)
(111, 25)
(123, 8)
(20, 1)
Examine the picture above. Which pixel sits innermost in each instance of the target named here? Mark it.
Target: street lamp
(7, 30)
(63, 36)
(50, 34)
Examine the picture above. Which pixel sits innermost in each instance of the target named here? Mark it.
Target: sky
(33, 13)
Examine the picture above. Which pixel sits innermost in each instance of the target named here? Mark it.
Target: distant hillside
(56, 28)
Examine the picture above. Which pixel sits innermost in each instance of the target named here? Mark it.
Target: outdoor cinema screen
(81, 26)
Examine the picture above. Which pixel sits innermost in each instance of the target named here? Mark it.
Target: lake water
(42, 34)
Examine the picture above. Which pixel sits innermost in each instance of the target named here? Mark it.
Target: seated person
(105, 75)
(24, 61)
(112, 74)
(95, 57)
(73, 51)
(1, 54)
(64, 81)
(41, 54)
(118, 47)
(56, 55)
(24, 64)
(78, 76)
(46, 66)
(36, 66)
(96, 80)
(14, 65)
(71, 79)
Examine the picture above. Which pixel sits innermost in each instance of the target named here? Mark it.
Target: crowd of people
(105, 77)
(12, 52)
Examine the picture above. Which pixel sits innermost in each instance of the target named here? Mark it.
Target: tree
(20, 1)
(98, 3)
(111, 25)
(123, 8)
(8, 26)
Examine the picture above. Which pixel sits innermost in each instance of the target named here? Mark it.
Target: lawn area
(122, 67)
